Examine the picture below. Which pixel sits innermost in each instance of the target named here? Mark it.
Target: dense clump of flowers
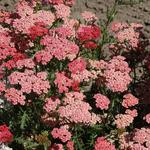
(51, 104)
(117, 74)
(138, 139)
(123, 120)
(129, 100)
(25, 11)
(62, 11)
(15, 96)
(62, 134)
(103, 144)
(102, 101)
(5, 134)
(30, 82)
(128, 36)
(60, 48)
(77, 110)
(89, 32)
(62, 82)
(77, 65)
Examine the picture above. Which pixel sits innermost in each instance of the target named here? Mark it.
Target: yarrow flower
(62, 11)
(30, 82)
(56, 147)
(70, 145)
(51, 104)
(62, 134)
(102, 144)
(117, 74)
(123, 120)
(77, 65)
(76, 110)
(60, 48)
(129, 100)
(147, 118)
(5, 135)
(90, 32)
(129, 34)
(137, 139)
(15, 96)
(102, 101)
(62, 82)
(37, 30)
(89, 16)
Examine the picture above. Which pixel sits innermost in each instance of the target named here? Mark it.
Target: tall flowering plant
(70, 84)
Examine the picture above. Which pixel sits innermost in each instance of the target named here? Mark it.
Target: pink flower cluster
(61, 133)
(15, 96)
(89, 16)
(124, 120)
(62, 11)
(102, 101)
(139, 139)
(30, 82)
(117, 74)
(28, 18)
(129, 100)
(59, 47)
(103, 144)
(127, 33)
(62, 82)
(67, 2)
(51, 104)
(77, 65)
(147, 118)
(76, 110)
